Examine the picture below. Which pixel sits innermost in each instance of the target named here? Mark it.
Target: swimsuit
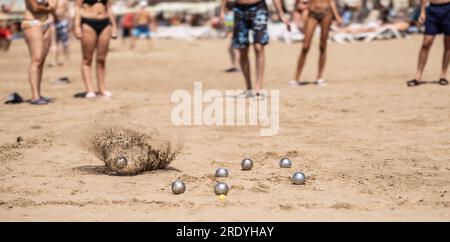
(97, 24)
(142, 30)
(92, 2)
(248, 17)
(126, 32)
(437, 20)
(319, 15)
(28, 23)
(5, 33)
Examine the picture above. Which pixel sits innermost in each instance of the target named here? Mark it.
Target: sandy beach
(372, 148)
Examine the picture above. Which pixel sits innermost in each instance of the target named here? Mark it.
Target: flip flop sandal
(107, 94)
(294, 83)
(14, 98)
(48, 99)
(249, 94)
(412, 83)
(321, 82)
(443, 82)
(241, 95)
(62, 80)
(245, 94)
(39, 101)
(90, 95)
(233, 69)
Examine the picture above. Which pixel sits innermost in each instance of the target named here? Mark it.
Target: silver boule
(246, 164)
(221, 189)
(285, 163)
(298, 178)
(121, 162)
(178, 187)
(221, 172)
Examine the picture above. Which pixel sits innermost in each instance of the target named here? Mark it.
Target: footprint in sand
(342, 205)
(259, 187)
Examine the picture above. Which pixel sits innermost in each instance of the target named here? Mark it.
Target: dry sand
(372, 148)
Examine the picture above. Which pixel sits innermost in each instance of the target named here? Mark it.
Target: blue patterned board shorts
(250, 17)
(62, 32)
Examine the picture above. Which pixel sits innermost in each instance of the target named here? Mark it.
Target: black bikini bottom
(97, 24)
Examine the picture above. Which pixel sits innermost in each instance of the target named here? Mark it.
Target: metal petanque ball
(246, 164)
(285, 163)
(221, 189)
(298, 178)
(178, 187)
(121, 162)
(221, 172)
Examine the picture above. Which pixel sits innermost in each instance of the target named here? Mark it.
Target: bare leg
(55, 51)
(7, 44)
(446, 57)
(123, 39)
(34, 39)
(259, 53)
(133, 40)
(325, 30)
(236, 57)
(47, 42)
(102, 51)
(232, 53)
(150, 43)
(54, 47)
(245, 66)
(310, 26)
(423, 55)
(88, 44)
(67, 54)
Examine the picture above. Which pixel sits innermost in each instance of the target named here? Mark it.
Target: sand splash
(142, 151)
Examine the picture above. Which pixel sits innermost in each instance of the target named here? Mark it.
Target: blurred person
(127, 27)
(5, 35)
(321, 13)
(362, 10)
(61, 33)
(300, 14)
(347, 14)
(414, 17)
(35, 26)
(95, 25)
(142, 24)
(252, 15)
(387, 11)
(6, 9)
(437, 21)
(376, 19)
(6, 32)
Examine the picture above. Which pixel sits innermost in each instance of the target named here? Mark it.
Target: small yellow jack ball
(222, 197)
